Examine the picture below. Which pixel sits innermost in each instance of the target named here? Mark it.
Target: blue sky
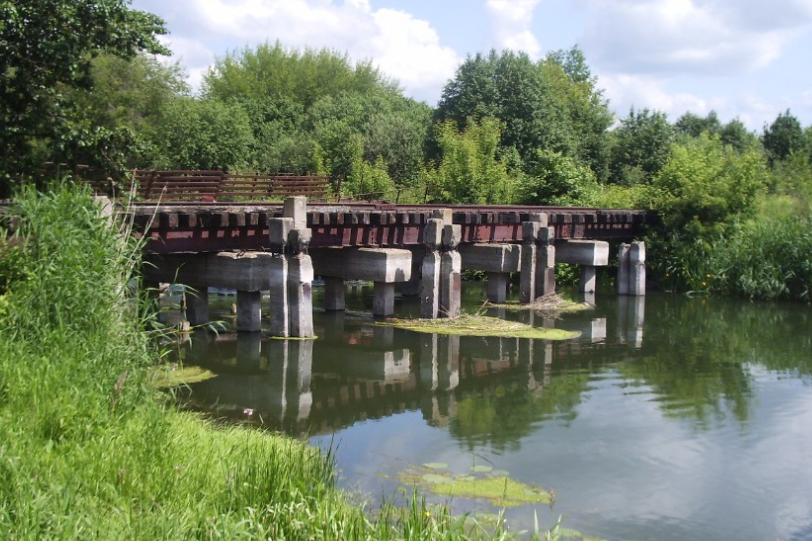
(741, 58)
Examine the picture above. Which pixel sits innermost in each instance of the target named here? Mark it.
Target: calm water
(669, 418)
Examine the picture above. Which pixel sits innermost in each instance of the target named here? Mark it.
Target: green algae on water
(476, 325)
(168, 376)
(549, 303)
(498, 490)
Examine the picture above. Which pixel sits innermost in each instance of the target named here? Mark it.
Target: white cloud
(511, 21)
(703, 37)
(405, 48)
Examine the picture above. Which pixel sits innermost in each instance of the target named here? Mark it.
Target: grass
(90, 450)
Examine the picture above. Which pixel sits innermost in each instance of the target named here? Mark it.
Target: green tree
(553, 104)
(555, 179)
(48, 44)
(736, 134)
(693, 125)
(782, 137)
(469, 170)
(203, 134)
(641, 146)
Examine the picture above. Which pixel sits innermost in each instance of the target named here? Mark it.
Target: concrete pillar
(450, 284)
(197, 306)
(538, 260)
(498, 286)
(249, 311)
(623, 270)
(278, 270)
(430, 286)
(637, 269)
(588, 282)
(631, 276)
(300, 296)
(431, 269)
(383, 300)
(527, 274)
(334, 294)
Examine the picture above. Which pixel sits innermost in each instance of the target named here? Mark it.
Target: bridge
(421, 249)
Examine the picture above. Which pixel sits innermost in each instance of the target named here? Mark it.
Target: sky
(745, 59)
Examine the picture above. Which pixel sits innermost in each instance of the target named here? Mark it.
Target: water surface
(670, 418)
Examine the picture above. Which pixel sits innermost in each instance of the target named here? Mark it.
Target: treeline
(507, 129)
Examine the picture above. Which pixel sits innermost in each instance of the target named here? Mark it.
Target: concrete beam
(501, 258)
(247, 271)
(594, 253)
(387, 265)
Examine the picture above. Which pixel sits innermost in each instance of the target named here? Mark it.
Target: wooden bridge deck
(211, 227)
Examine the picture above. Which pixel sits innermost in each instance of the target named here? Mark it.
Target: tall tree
(784, 136)
(553, 104)
(48, 43)
(692, 125)
(641, 146)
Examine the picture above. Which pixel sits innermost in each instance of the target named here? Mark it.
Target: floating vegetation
(548, 303)
(477, 325)
(175, 375)
(498, 490)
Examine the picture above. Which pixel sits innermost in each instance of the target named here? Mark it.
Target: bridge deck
(210, 227)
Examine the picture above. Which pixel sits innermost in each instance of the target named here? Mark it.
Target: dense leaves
(46, 45)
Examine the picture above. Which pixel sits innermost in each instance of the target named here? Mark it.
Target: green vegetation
(89, 449)
(477, 325)
(507, 129)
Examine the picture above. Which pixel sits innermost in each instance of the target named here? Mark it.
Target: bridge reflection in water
(357, 371)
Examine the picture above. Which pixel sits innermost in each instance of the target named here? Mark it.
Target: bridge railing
(214, 185)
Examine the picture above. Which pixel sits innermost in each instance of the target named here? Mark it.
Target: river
(669, 418)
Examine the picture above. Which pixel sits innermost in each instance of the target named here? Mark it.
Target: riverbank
(90, 450)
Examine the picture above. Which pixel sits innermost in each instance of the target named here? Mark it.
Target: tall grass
(89, 450)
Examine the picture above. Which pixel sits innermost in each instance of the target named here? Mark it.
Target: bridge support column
(538, 259)
(291, 271)
(498, 286)
(197, 306)
(451, 273)
(431, 269)
(249, 311)
(588, 254)
(334, 294)
(631, 278)
(383, 300)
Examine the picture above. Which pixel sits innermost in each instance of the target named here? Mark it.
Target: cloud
(511, 25)
(699, 37)
(405, 48)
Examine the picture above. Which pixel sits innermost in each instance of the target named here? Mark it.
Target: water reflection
(669, 418)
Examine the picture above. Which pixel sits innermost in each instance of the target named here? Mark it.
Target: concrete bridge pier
(197, 305)
(588, 254)
(291, 272)
(384, 267)
(631, 278)
(441, 283)
(498, 261)
(249, 311)
(538, 259)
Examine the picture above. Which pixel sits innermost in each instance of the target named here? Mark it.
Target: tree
(552, 104)
(782, 137)
(203, 134)
(469, 170)
(693, 125)
(736, 134)
(46, 44)
(641, 146)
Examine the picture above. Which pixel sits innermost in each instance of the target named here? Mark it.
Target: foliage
(700, 191)
(640, 147)
(203, 134)
(554, 179)
(553, 104)
(48, 44)
(783, 137)
(469, 170)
